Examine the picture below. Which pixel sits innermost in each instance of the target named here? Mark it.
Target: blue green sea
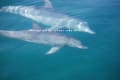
(20, 60)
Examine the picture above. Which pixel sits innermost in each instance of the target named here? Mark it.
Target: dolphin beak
(82, 47)
(91, 32)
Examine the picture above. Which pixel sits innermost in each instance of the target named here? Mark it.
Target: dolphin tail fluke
(91, 32)
(53, 50)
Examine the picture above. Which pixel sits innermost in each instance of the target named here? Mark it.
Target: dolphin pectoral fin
(53, 50)
(48, 4)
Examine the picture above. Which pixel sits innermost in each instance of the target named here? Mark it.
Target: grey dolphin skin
(48, 16)
(36, 35)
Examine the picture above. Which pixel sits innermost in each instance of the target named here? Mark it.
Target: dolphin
(48, 16)
(37, 35)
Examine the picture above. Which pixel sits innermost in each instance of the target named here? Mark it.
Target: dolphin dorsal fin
(48, 4)
(35, 27)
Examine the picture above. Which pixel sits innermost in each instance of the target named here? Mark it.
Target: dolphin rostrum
(50, 17)
(36, 35)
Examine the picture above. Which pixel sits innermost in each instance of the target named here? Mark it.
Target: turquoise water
(20, 60)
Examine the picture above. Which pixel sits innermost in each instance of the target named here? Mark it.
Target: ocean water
(20, 60)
